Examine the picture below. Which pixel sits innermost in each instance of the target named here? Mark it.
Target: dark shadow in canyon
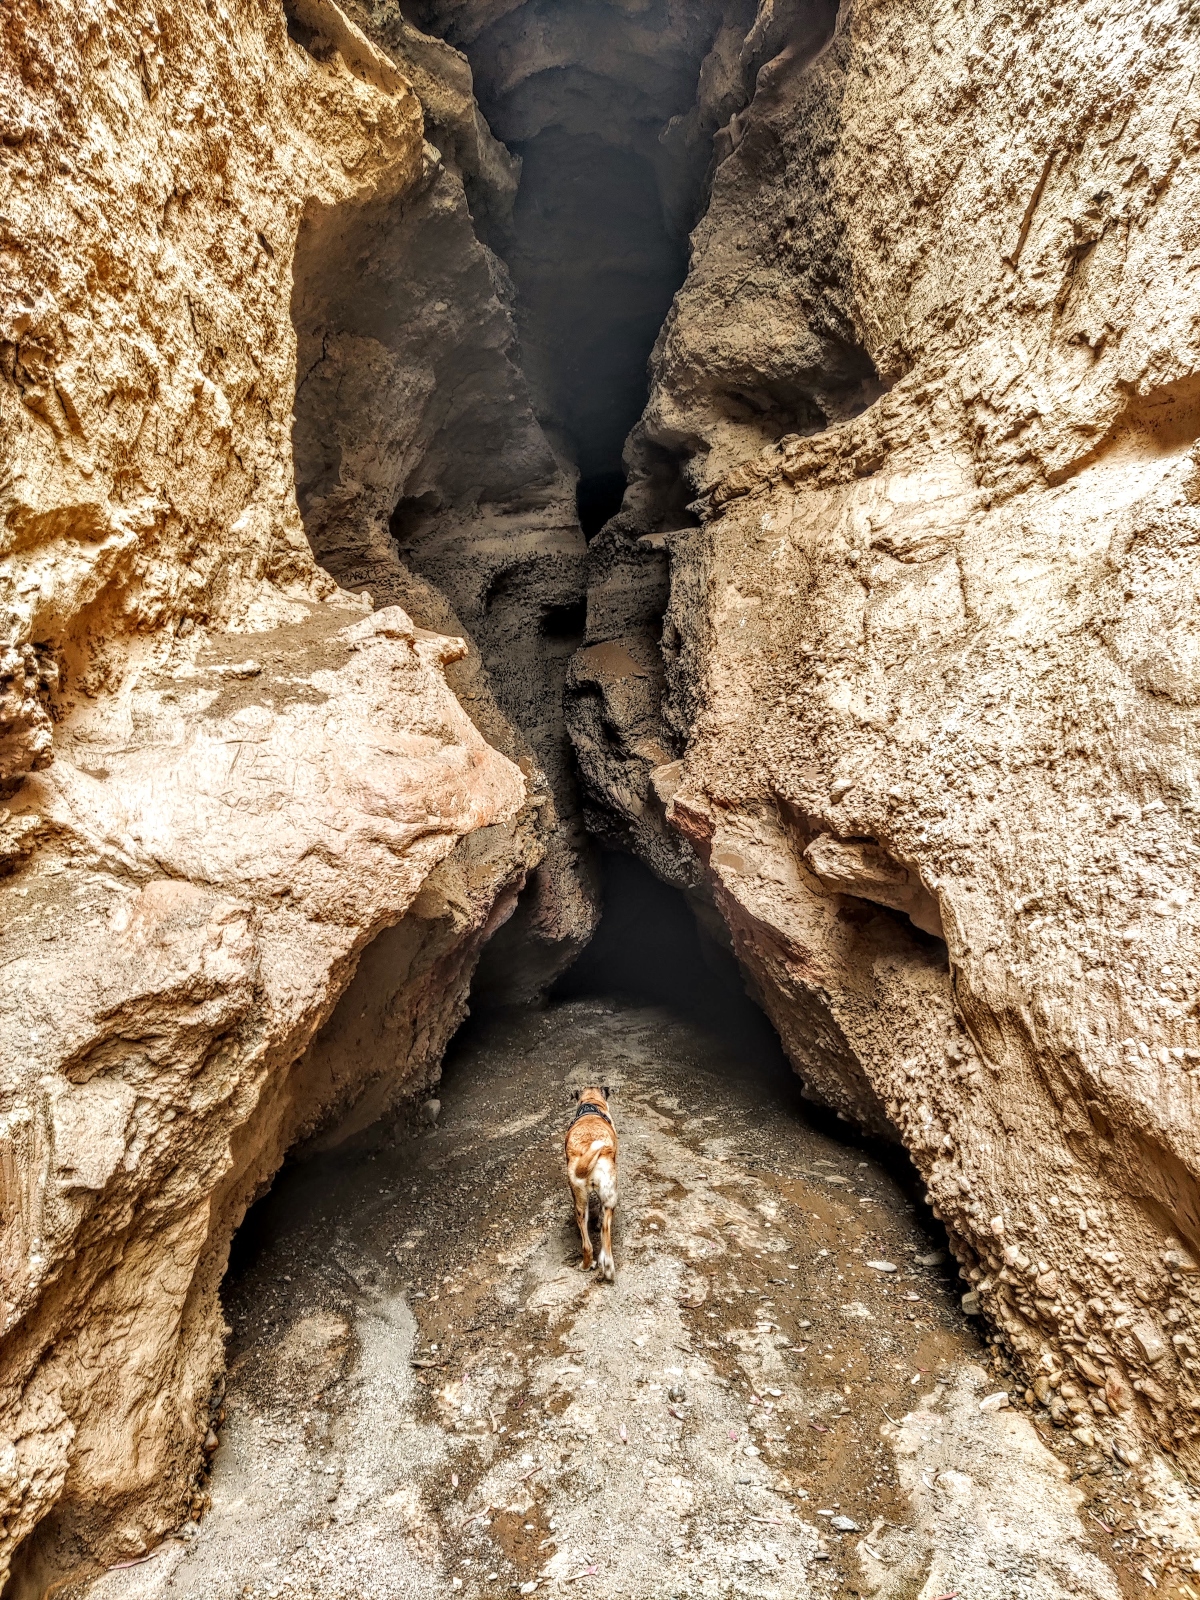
(595, 270)
(650, 947)
(597, 498)
(612, 119)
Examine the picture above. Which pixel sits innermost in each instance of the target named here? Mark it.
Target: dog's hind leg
(579, 1189)
(605, 1178)
(608, 1269)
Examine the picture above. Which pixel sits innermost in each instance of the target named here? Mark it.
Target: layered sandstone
(929, 654)
(228, 784)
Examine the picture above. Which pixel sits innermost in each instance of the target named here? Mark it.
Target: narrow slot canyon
(424, 1393)
(571, 544)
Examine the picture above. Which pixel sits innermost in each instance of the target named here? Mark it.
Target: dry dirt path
(426, 1396)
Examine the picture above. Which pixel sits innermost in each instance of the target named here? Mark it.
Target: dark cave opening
(652, 949)
(597, 498)
(410, 516)
(565, 622)
(595, 270)
(649, 946)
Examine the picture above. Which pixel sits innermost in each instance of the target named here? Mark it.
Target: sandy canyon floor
(427, 1396)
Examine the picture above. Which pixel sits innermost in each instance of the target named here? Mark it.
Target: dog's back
(591, 1151)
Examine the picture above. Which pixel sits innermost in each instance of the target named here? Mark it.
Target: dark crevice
(412, 515)
(565, 622)
(595, 270)
(597, 498)
(649, 946)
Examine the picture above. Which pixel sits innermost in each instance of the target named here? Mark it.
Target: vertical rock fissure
(472, 363)
(792, 692)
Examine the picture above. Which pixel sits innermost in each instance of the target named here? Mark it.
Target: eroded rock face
(931, 390)
(888, 651)
(224, 777)
(611, 107)
(422, 473)
(184, 926)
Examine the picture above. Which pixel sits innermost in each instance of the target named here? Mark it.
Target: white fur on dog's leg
(605, 1178)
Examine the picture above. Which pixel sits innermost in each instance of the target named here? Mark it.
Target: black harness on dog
(588, 1108)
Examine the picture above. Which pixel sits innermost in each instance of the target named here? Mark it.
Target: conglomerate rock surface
(927, 686)
(224, 778)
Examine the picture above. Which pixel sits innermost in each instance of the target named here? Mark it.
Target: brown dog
(592, 1168)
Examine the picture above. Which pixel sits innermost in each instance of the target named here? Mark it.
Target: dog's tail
(590, 1159)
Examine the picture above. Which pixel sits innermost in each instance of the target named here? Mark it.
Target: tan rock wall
(422, 469)
(156, 169)
(933, 384)
(223, 777)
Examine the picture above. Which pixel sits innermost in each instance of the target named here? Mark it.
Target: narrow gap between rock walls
(595, 240)
(439, 1235)
(596, 247)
